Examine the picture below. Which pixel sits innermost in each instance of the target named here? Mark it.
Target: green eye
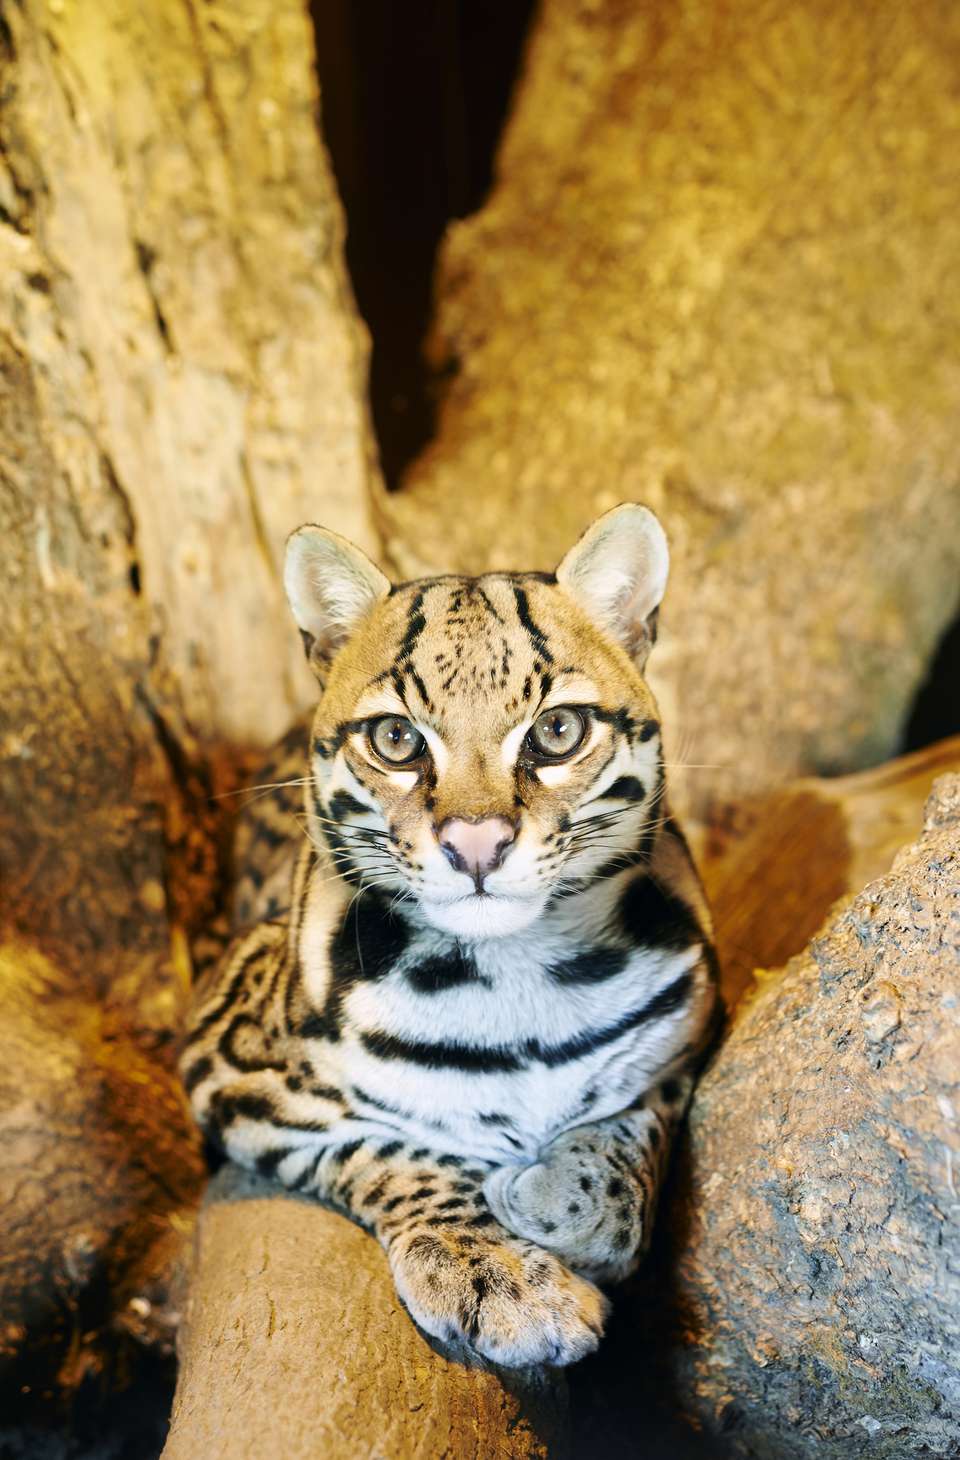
(395, 740)
(557, 733)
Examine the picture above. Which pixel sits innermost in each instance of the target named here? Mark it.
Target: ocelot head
(483, 746)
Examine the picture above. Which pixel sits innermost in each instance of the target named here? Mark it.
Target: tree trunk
(183, 383)
(295, 1344)
(720, 273)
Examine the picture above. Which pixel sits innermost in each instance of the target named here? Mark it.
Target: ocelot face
(486, 745)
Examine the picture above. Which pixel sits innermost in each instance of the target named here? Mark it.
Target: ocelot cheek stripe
(483, 1068)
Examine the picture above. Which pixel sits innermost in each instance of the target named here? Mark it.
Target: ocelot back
(476, 1025)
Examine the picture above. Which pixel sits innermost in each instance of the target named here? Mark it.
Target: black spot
(624, 788)
(585, 1183)
(376, 1193)
(483, 1219)
(268, 1161)
(392, 1148)
(614, 1187)
(655, 1137)
(653, 917)
(670, 1091)
(648, 729)
(366, 945)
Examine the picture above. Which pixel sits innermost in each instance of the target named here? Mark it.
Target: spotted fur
(485, 1072)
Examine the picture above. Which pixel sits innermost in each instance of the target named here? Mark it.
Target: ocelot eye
(395, 740)
(557, 733)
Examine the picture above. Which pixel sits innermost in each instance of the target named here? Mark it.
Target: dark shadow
(624, 1398)
(413, 100)
(936, 710)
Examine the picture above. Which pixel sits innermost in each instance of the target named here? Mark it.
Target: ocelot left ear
(331, 585)
(617, 573)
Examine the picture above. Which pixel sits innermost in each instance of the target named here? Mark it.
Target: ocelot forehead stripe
(536, 635)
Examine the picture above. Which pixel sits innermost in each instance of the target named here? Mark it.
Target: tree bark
(181, 383)
(819, 1248)
(720, 273)
(295, 1344)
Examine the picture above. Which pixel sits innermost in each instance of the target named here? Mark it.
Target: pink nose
(476, 847)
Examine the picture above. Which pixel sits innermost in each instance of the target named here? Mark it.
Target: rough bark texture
(820, 1263)
(294, 1344)
(720, 273)
(174, 286)
(181, 383)
(99, 1173)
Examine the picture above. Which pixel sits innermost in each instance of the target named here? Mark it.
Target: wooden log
(774, 866)
(295, 1344)
(818, 1227)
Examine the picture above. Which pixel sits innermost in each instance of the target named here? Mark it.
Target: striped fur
(487, 1080)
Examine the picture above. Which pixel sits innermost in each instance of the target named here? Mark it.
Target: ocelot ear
(617, 572)
(331, 585)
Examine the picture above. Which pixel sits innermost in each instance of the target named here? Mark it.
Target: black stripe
(227, 1106)
(197, 1073)
(471, 1058)
(416, 623)
(342, 1154)
(667, 1001)
(592, 966)
(342, 804)
(222, 1005)
(534, 633)
(480, 1059)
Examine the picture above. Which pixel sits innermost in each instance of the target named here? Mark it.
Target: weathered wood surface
(294, 1344)
(174, 288)
(818, 1228)
(720, 273)
(773, 873)
(181, 383)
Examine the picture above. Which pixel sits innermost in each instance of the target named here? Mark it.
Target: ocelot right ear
(331, 585)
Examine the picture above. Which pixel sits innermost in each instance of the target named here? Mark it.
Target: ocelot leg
(591, 1197)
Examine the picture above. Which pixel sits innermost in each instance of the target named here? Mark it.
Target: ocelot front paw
(576, 1203)
(511, 1301)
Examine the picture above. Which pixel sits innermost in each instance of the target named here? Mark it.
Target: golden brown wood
(772, 886)
(294, 1344)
